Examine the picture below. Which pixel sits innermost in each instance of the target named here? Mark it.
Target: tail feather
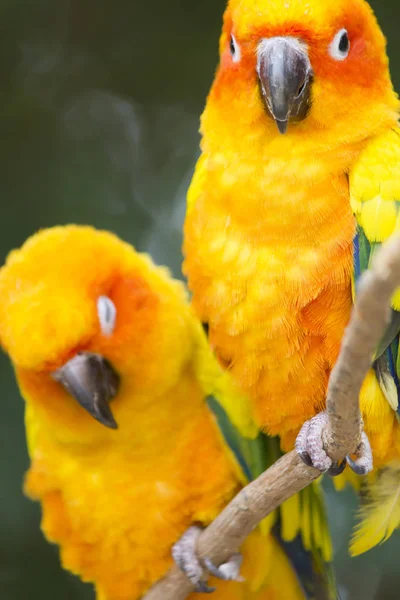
(379, 513)
(290, 518)
(303, 531)
(305, 514)
(315, 577)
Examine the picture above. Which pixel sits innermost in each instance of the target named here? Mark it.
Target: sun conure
(125, 454)
(297, 185)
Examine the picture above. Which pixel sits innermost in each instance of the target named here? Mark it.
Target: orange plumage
(269, 228)
(116, 500)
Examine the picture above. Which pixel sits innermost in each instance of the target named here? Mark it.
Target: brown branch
(290, 475)
(369, 318)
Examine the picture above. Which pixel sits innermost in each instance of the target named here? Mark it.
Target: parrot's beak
(92, 381)
(285, 78)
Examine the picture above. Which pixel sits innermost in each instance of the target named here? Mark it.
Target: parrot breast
(269, 262)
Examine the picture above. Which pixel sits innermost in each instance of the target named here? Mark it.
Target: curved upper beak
(93, 382)
(285, 79)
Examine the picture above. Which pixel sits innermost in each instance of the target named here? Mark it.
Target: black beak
(285, 78)
(92, 381)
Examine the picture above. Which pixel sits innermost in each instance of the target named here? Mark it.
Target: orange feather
(269, 227)
(116, 500)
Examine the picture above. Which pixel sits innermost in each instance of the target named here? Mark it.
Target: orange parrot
(125, 454)
(297, 185)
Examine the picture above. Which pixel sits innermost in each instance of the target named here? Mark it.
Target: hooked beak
(92, 381)
(285, 78)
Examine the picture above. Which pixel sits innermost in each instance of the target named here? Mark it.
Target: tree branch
(290, 475)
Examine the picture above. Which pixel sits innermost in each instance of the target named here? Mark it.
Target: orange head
(86, 318)
(318, 68)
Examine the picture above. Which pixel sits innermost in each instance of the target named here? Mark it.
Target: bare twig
(289, 475)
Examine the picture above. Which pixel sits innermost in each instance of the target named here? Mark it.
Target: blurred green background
(99, 112)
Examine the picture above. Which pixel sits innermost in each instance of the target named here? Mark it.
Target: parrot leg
(309, 446)
(185, 556)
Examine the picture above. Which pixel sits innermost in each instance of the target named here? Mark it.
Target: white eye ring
(340, 46)
(107, 314)
(234, 49)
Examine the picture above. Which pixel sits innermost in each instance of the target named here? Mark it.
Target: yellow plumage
(280, 227)
(290, 511)
(116, 500)
(305, 513)
(381, 514)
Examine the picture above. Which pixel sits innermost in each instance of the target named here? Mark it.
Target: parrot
(296, 188)
(127, 457)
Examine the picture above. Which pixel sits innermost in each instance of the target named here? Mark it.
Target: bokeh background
(99, 112)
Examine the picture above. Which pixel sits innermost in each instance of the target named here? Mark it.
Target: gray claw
(358, 469)
(203, 588)
(305, 457)
(336, 468)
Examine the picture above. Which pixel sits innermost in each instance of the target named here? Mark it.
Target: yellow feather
(304, 513)
(267, 562)
(380, 515)
(356, 204)
(320, 530)
(389, 390)
(306, 520)
(326, 548)
(378, 218)
(396, 300)
(377, 171)
(290, 517)
(375, 191)
(32, 429)
(267, 524)
(215, 381)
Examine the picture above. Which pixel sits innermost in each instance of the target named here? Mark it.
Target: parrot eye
(107, 314)
(234, 49)
(340, 47)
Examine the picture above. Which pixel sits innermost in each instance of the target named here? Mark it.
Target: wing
(375, 199)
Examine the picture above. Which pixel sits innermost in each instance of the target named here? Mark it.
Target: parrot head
(301, 67)
(89, 323)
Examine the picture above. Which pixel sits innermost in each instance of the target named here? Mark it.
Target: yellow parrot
(127, 459)
(297, 185)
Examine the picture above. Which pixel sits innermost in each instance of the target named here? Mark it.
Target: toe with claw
(229, 571)
(185, 556)
(363, 461)
(309, 446)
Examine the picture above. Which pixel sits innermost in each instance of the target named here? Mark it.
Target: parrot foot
(185, 556)
(309, 446)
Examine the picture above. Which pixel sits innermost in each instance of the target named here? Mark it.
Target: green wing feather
(375, 196)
